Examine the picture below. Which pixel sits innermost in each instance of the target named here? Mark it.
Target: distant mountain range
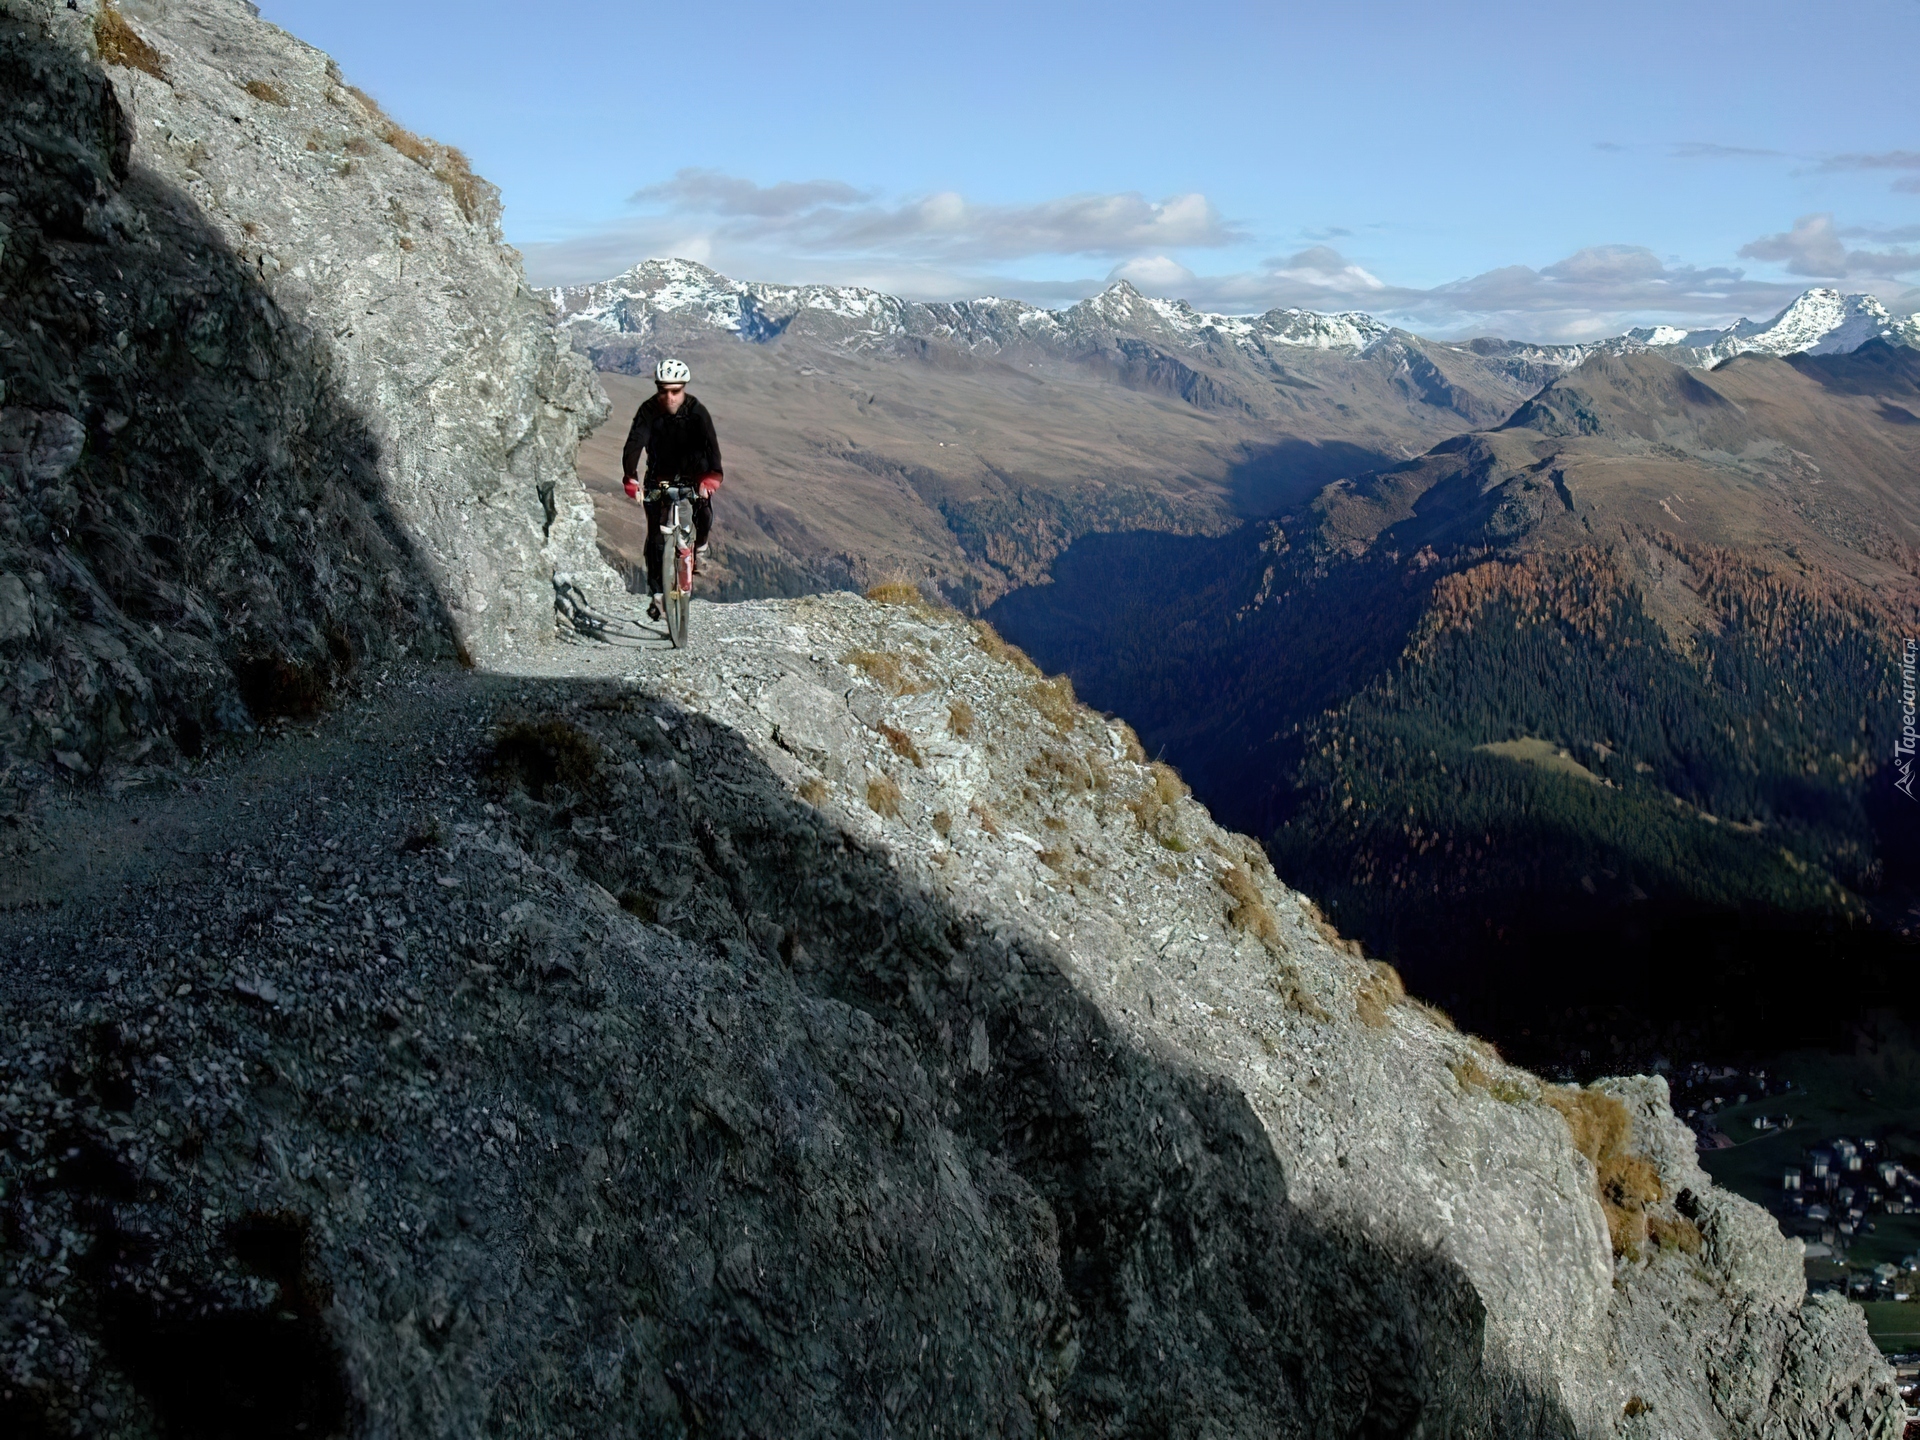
(664, 299)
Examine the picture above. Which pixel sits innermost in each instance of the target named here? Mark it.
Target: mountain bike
(676, 527)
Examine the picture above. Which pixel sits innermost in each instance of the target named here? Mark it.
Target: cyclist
(676, 431)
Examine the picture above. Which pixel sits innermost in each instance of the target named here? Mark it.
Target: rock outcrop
(276, 396)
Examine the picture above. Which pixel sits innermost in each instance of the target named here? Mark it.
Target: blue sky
(1538, 170)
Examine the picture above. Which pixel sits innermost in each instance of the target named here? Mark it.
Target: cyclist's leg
(656, 548)
(702, 521)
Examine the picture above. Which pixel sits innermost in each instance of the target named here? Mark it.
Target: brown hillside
(851, 461)
(1808, 467)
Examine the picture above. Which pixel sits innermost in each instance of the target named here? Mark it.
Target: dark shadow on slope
(1216, 650)
(191, 522)
(1876, 368)
(1197, 1300)
(820, 1157)
(193, 539)
(1278, 477)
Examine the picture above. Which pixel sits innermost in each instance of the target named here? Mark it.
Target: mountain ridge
(1821, 320)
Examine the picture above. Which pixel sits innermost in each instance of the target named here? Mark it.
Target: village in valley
(1828, 1145)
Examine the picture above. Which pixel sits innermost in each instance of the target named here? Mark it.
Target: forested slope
(1591, 713)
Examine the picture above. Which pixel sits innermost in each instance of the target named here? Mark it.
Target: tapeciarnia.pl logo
(1904, 747)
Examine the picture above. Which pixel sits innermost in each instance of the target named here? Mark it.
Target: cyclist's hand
(709, 484)
(632, 487)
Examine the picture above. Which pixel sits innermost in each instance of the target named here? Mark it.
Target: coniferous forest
(1586, 834)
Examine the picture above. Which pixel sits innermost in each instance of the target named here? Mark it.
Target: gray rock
(388, 250)
(277, 400)
(810, 722)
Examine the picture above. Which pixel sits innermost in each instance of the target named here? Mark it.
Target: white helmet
(672, 372)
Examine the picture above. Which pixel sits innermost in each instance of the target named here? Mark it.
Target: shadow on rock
(192, 533)
(1155, 1277)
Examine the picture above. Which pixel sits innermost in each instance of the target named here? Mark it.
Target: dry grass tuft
(813, 790)
(1379, 992)
(960, 718)
(883, 797)
(455, 172)
(1056, 858)
(1153, 807)
(901, 743)
(1472, 1075)
(1054, 700)
(988, 639)
(895, 592)
(1675, 1233)
(1069, 772)
(1130, 745)
(1250, 911)
(1627, 1182)
(1165, 789)
(1167, 784)
(1286, 984)
(1439, 1017)
(446, 164)
(884, 669)
(267, 91)
(942, 823)
(989, 822)
(120, 44)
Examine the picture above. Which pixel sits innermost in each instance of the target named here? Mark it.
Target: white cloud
(1707, 150)
(1153, 272)
(945, 246)
(1816, 248)
(1324, 268)
(1597, 291)
(714, 192)
(827, 221)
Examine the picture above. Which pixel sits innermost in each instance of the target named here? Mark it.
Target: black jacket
(679, 447)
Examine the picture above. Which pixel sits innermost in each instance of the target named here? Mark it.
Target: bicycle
(676, 528)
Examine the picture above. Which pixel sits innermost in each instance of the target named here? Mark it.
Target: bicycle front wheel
(677, 602)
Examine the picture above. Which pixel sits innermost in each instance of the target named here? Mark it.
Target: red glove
(709, 484)
(632, 487)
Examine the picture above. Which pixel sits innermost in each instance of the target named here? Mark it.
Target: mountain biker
(676, 431)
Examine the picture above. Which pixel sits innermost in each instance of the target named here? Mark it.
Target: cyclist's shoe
(653, 608)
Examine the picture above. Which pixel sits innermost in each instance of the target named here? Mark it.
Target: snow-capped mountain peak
(1822, 321)
(681, 293)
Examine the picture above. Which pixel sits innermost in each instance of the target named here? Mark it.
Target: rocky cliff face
(276, 396)
(835, 1029)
